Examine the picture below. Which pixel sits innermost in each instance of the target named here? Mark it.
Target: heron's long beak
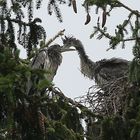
(63, 49)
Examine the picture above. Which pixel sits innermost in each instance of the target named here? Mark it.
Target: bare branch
(60, 33)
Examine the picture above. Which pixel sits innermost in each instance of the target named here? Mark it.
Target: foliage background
(52, 117)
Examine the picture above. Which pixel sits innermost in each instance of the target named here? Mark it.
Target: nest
(108, 99)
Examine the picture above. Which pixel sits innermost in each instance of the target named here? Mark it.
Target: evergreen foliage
(53, 116)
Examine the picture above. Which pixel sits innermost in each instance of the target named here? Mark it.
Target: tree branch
(125, 40)
(60, 33)
(15, 21)
(137, 13)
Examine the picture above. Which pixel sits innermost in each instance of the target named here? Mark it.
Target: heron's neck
(87, 66)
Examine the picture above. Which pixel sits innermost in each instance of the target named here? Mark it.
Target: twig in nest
(107, 99)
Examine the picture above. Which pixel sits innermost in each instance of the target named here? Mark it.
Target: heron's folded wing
(39, 60)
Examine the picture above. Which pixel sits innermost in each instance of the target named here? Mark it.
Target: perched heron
(101, 71)
(48, 59)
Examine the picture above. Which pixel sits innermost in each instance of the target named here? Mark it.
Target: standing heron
(110, 76)
(101, 71)
(48, 59)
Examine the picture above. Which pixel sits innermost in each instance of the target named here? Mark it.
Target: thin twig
(124, 40)
(137, 13)
(60, 33)
(108, 99)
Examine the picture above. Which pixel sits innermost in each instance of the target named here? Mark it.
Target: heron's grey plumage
(110, 76)
(101, 71)
(48, 59)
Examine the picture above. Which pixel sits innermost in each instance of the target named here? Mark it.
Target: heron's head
(71, 42)
(59, 49)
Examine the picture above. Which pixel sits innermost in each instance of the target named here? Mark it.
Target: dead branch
(60, 33)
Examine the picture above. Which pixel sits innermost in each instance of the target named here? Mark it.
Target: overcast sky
(69, 78)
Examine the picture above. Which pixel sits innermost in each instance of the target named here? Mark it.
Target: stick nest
(108, 99)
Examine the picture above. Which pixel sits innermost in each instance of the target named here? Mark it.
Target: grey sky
(69, 78)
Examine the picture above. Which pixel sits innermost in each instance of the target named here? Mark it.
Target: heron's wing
(43, 60)
(117, 61)
(111, 69)
(39, 60)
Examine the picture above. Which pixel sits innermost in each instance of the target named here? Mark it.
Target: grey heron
(110, 76)
(101, 71)
(48, 59)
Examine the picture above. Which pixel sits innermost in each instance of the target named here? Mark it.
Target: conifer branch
(137, 13)
(19, 21)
